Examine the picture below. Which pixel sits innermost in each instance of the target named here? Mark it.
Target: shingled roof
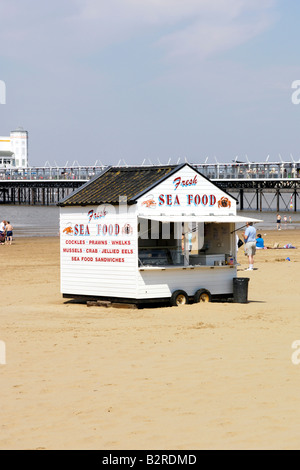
(115, 182)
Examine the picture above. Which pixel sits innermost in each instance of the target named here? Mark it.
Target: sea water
(32, 221)
(43, 221)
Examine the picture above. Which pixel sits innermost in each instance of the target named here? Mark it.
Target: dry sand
(205, 376)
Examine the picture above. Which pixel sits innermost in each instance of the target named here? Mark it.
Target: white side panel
(5, 144)
(186, 193)
(98, 251)
(160, 284)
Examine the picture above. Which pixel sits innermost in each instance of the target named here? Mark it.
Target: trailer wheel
(179, 297)
(202, 295)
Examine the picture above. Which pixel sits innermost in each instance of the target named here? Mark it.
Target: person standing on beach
(9, 233)
(250, 244)
(285, 221)
(2, 232)
(278, 222)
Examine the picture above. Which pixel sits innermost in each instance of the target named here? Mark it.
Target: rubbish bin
(240, 290)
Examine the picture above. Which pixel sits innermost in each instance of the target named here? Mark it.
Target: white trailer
(145, 234)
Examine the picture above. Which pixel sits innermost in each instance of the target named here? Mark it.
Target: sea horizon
(43, 221)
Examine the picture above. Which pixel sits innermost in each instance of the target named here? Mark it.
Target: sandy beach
(204, 376)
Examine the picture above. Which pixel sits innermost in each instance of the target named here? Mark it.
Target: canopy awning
(219, 219)
(6, 153)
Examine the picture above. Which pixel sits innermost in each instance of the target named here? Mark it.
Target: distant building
(14, 149)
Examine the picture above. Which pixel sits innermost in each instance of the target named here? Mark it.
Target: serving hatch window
(168, 243)
(184, 243)
(159, 243)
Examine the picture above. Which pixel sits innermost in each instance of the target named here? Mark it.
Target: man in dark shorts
(278, 221)
(9, 233)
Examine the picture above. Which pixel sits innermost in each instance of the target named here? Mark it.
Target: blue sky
(151, 79)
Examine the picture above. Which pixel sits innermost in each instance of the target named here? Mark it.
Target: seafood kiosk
(146, 234)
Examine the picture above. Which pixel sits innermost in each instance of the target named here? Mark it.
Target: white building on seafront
(14, 149)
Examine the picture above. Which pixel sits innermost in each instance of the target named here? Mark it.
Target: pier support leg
(260, 200)
(241, 199)
(278, 200)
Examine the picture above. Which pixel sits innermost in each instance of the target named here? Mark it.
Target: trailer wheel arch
(202, 295)
(179, 297)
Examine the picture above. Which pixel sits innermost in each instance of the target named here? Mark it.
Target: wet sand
(204, 376)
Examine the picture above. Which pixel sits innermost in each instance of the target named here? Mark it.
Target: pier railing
(218, 171)
(257, 186)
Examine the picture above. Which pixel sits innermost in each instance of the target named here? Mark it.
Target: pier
(257, 186)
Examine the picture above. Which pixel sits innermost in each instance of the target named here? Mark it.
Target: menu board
(97, 240)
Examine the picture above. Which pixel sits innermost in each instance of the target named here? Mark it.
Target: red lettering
(169, 200)
(110, 260)
(121, 242)
(197, 199)
(190, 199)
(75, 242)
(204, 200)
(213, 200)
(161, 200)
(177, 182)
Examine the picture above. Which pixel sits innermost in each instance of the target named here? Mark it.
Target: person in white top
(2, 232)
